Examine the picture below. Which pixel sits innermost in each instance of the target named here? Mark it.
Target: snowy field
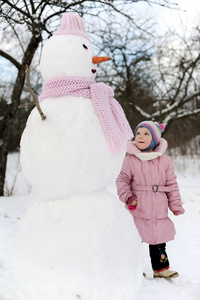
(183, 252)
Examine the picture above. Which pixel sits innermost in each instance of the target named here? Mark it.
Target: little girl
(147, 185)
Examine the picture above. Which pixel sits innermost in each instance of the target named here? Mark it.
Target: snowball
(67, 153)
(85, 247)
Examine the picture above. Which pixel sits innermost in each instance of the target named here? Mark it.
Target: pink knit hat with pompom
(72, 24)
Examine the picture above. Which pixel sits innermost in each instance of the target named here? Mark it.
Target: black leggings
(159, 259)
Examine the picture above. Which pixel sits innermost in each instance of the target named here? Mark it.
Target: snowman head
(68, 53)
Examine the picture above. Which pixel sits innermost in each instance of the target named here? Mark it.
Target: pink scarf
(109, 111)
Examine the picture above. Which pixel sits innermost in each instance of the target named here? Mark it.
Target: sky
(185, 17)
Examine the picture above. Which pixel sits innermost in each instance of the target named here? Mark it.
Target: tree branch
(11, 59)
(15, 7)
(32, 7)
(33, 94)
(142, 112)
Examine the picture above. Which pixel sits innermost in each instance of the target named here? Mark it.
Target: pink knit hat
(72, 24)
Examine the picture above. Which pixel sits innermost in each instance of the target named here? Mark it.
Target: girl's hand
(134, 203)
(175, 213)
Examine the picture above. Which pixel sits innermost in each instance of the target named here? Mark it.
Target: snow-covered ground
(183, 252)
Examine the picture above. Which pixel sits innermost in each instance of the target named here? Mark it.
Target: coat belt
(154, 188)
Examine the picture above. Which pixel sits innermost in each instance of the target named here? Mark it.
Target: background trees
(147, 86)
(159, 79)
(130, 69)
(176, 86)
(24, 25)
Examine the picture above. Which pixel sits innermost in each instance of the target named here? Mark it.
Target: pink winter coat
(150, 177)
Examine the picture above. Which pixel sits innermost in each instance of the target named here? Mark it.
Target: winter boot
(167, 274)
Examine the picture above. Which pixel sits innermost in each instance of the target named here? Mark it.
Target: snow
(68, 147)
(183, 252)
(72, 247)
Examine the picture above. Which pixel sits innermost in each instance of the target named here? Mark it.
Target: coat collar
(158, 151)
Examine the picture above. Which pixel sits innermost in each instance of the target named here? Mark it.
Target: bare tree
(130, 69)
(159, 77)
(26, 23)
(176, 79)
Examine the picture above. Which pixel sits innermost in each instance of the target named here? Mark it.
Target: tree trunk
(11, 109)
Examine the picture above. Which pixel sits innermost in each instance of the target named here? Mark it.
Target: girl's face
(143, 138)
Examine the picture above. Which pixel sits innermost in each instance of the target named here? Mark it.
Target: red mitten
(132, 207)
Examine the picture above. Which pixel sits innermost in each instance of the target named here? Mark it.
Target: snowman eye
(85, 47)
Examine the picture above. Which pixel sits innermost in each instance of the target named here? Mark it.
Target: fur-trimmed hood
(158, 151)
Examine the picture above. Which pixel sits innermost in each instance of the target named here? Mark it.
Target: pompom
(162, 126)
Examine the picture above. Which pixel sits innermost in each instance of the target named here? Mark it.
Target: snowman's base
(84, 247)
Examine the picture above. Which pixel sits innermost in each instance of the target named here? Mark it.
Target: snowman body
(68, 151)
(77, 241)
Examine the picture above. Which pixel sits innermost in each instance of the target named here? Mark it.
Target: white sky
(187, 17)
(189, 14)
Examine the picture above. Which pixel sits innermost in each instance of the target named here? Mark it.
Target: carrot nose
(99, 59)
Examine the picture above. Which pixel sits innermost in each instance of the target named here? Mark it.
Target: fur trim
(158, 151)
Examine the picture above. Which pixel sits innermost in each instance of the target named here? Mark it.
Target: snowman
(76, 241)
